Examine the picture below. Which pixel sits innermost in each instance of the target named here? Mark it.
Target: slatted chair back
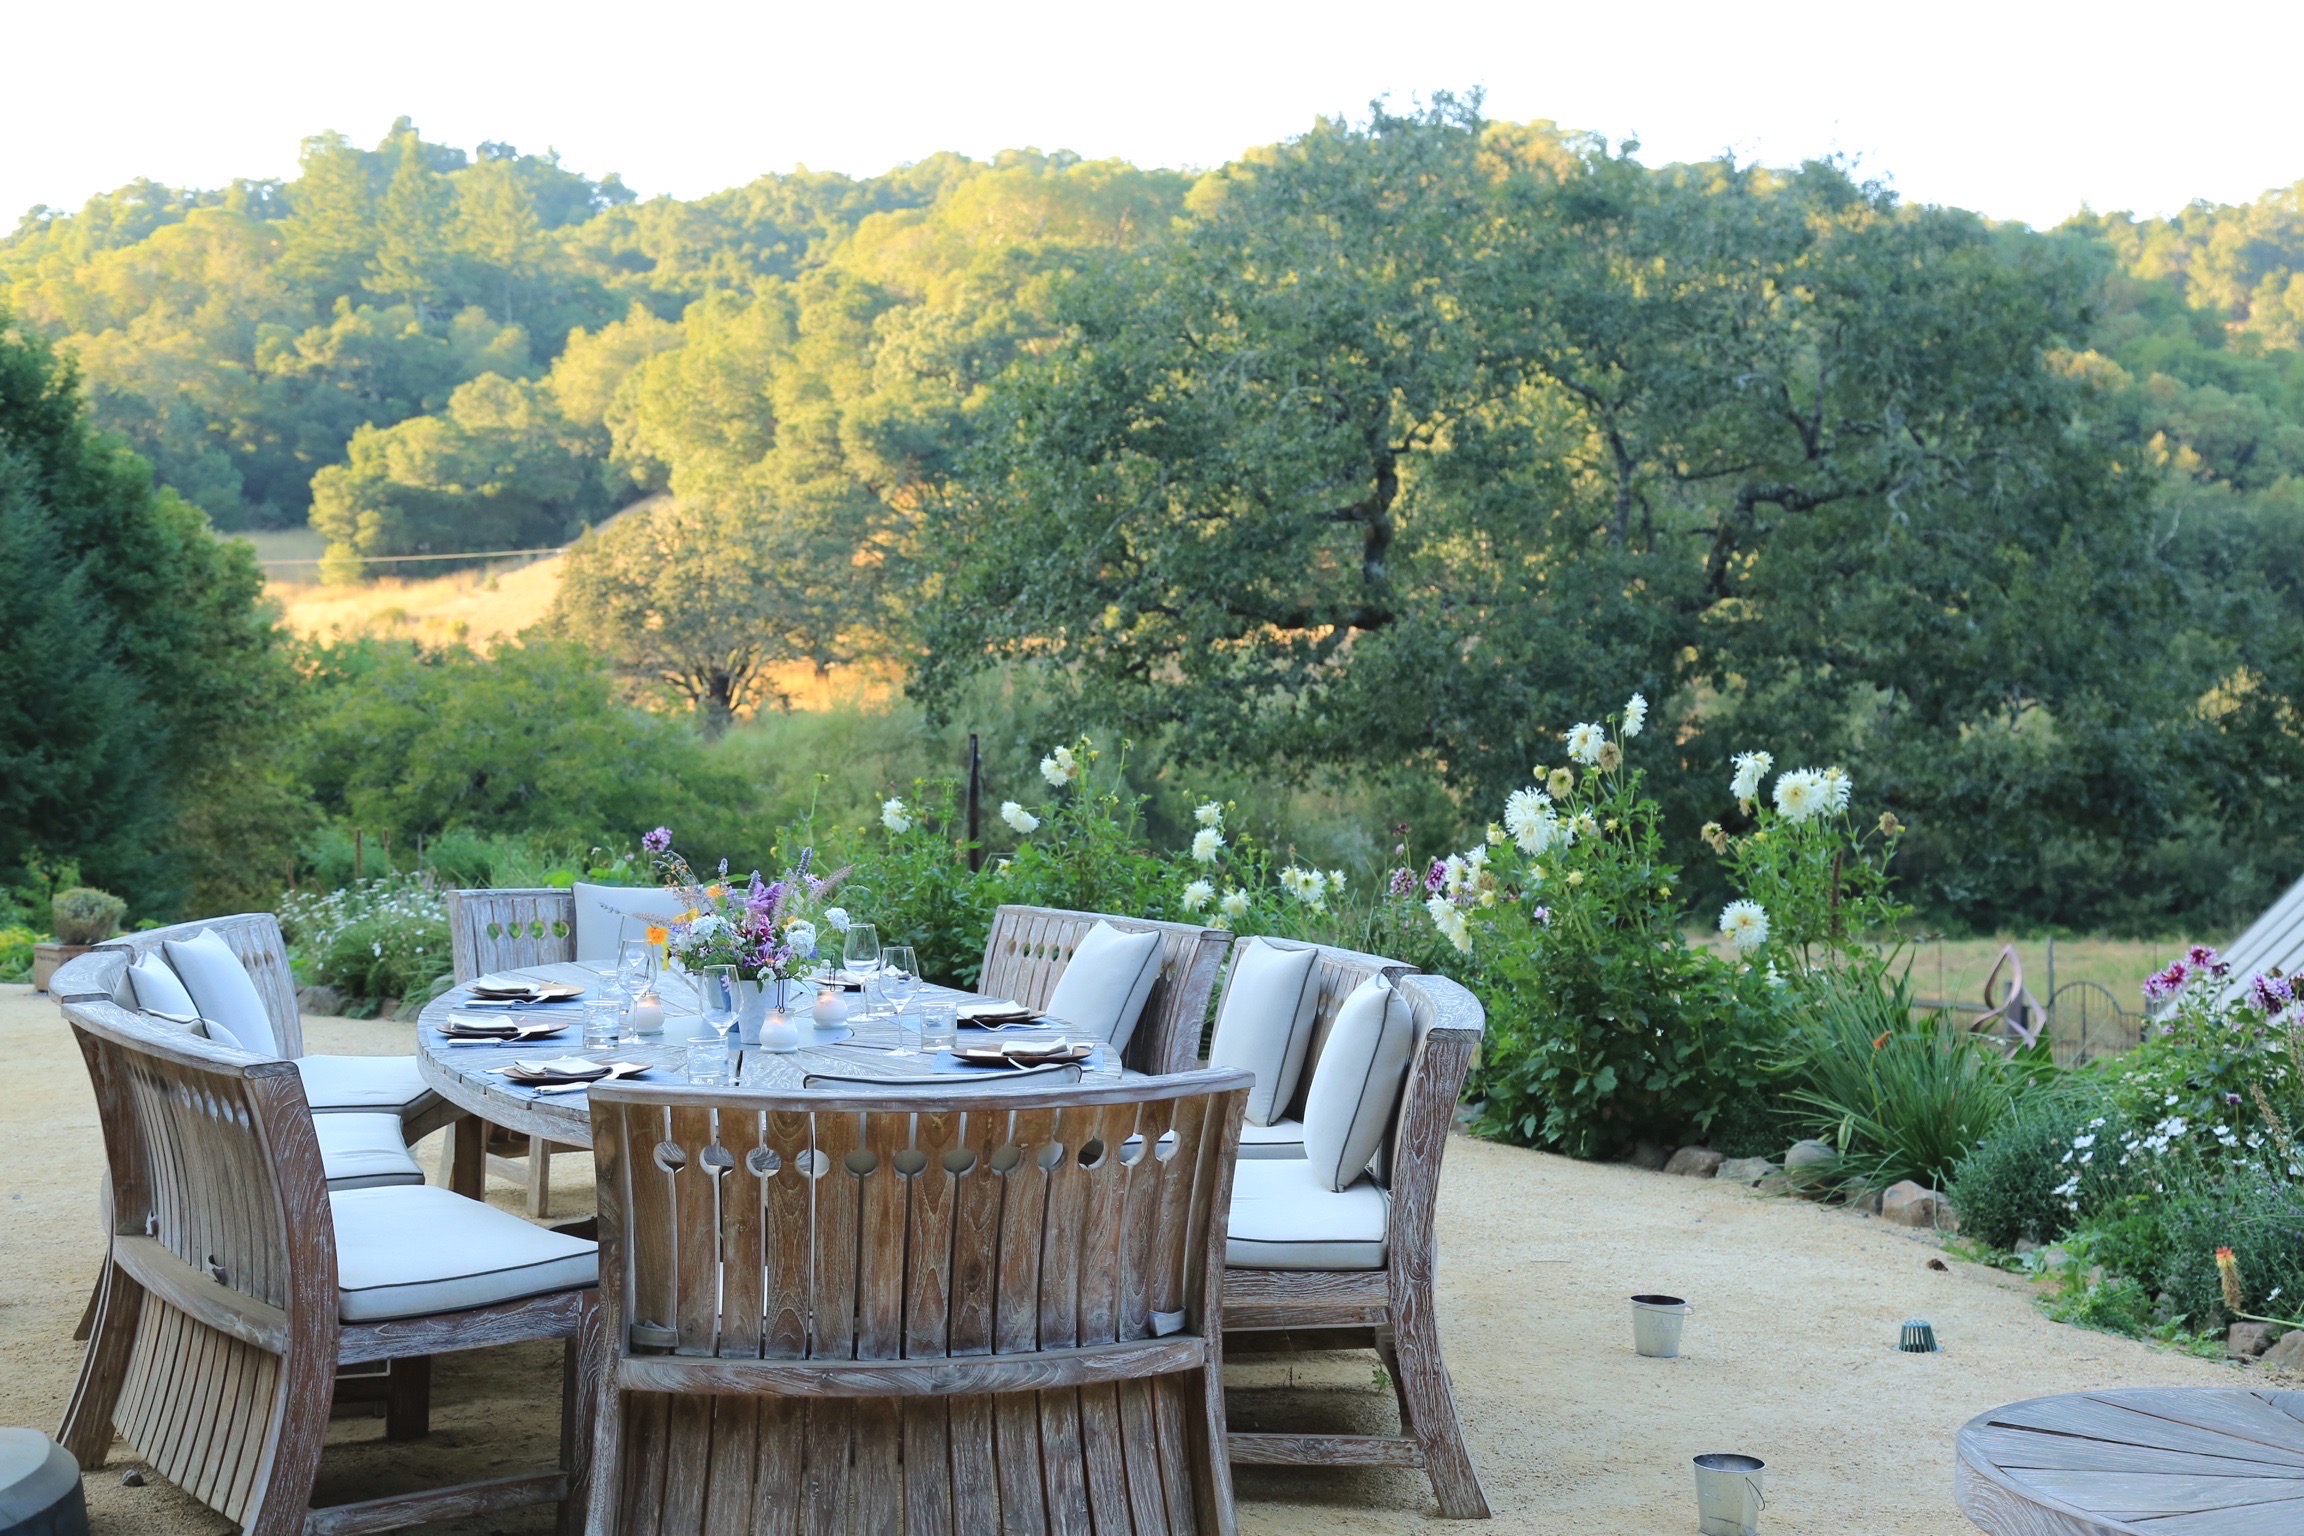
(999, 1312)
(219, 1214)
(510, 930)
(252, 936)
(1028, 948)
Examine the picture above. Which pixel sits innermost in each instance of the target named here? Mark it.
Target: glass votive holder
(603, 1023)
(939, 1024)
(708, 1061)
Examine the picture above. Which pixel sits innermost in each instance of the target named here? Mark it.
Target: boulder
(2026, 1245)
(1744, 1170)
(1811, 1166)
(328, 1002)
(1648, 1155)
(2288, 1354)
(2245, 1341)
(1912, 1205)
(1695, 1162)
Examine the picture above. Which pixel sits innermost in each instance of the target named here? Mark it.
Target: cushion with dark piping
(160, 990)
(223, 992)
(1105, 984)
(364, 1151)
(336, 1083)
(1265, 1023)
(1357, 1082)
(412, 1250)
(1284, 1217)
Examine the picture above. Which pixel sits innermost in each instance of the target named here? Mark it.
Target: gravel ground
(1789, 1353)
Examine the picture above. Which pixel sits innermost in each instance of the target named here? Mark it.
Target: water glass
(636, 964)
(603, 1024)
(939, 1024)
(708, 1060)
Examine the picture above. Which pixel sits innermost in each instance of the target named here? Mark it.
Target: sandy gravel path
(1789, 1355)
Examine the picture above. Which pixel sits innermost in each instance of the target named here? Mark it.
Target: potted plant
(83, 918)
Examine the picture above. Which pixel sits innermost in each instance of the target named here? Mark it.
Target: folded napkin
(485, 1027)
(566, 1069)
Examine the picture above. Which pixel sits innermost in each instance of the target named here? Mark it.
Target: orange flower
(1883, 1040)
(658, 935)
(715, 891)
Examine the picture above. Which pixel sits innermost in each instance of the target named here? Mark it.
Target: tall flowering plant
(2220, 1073)
(1815, 889)
(767, 929)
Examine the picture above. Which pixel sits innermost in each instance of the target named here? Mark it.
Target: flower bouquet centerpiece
(766, 929)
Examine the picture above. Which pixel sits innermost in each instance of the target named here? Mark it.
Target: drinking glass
(708, 1060)
(860, 957)
(636, 964)
(716, 996)
(603, 1023)
(939, 1024)
(900, 982)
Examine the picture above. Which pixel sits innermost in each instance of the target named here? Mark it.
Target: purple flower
(1403, 881)
(657, 841)
(2203, 958)
(801, 867)
(2165, 983)
(1436, 878)
(2270, 993)
(2232, 1100)
(1543, 917)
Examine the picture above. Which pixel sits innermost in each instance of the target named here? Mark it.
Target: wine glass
(635, 965)
(900, 982)
(716, 993)
(860, 957)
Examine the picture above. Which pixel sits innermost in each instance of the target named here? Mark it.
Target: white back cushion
(608, 914)
(223, 993)
(1265, 1024)
(1102, 990)
(158, 989)
(1357, 1081)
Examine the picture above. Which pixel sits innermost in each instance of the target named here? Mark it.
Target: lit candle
(778, 1032)
(831, 1006)
(648, 1014)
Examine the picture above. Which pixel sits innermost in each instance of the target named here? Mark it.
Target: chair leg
(408, 1398)
(605, 1472)
(1430, 1407)
(539, 1177)
(114, 1312)
(581, 1389)
(464, 1160)
(87, 1323)
(1388, 1351)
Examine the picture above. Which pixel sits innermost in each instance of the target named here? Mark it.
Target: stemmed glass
(635, 969)
(716, 995)
(860, 957)
(900, 980)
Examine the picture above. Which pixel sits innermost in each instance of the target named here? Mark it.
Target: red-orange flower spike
(2228, 1271)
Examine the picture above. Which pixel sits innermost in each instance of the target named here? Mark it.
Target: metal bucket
(1656, 1324)
(1728, 1498)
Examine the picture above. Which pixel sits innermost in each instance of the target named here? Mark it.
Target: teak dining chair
(1028, 948)
(511, 930)
(1389, 1305)
(994, 1312)
(225, 1313)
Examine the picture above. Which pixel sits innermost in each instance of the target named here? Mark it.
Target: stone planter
(48, 956)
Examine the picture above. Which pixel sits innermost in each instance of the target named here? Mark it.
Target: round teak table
(2167, 1461)
(465, 1073)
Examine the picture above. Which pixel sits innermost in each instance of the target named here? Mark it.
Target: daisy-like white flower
(1234, 904)
(1336, 880)
(1450, 922)
(1801, 794)
(1529, 817)
(1836, 784)
(1635, 715)
(1060, 767)
(1206, 844)
(1197, 895)
(1746, 924)
(1209, 814)
(1751, 768)
(1583, 825)
(1495, 834)
(1585, 742)
(893, 816)
(1018, 817)
(1560, 783)
(1308, 886)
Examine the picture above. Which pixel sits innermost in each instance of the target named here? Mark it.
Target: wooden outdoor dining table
(465, 1073)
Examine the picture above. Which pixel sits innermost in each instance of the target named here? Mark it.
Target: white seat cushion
(365, 1151)
(1284, 1217)
(222, 990)
(1265, 1022)
(413, 1251)
(1357, 1081)
(1105, 984)
(606, 915)
(1282, 1138)
(334, 1084)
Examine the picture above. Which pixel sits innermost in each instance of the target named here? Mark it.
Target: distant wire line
(477, 554)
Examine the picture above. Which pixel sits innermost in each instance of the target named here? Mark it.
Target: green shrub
(16, 943)
(2252, 1212)
(82, 915)
(909, 878)
(2051, 1163)
(1902, 1097)
(375, 939)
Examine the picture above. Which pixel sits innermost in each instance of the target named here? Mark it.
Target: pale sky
(2023, 108)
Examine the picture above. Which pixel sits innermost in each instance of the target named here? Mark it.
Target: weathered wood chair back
(994, 1314)
(1449, 1026)
(510, 930)
(253, 936)
(1028, 948)
(220, 1218)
